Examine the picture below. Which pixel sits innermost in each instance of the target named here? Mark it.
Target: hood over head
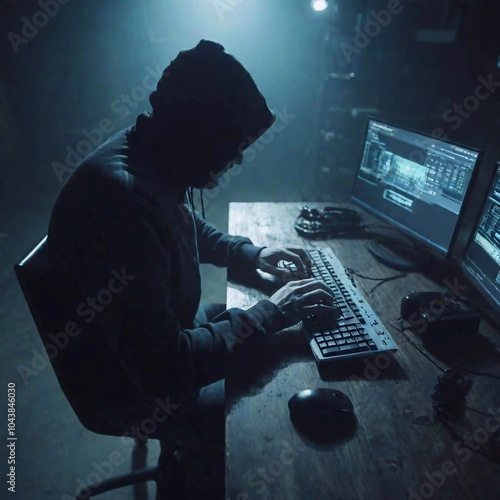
(206, 110)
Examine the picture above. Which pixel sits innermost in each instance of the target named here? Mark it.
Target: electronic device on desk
(481, 262)
(417, 183)
(357, 331)
(437, 315)
(328, 222)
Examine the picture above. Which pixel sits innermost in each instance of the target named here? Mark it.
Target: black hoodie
(125, 245)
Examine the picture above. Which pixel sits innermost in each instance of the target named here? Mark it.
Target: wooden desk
(399, 450)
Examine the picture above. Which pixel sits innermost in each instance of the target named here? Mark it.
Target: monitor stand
(397, 253)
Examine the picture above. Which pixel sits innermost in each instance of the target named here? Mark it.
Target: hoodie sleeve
(124, 254)
(223, 250)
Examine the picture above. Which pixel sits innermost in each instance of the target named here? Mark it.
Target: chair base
(163, 475)
(151, 474)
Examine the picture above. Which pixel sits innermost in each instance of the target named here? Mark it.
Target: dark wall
(92, 61)
(87, 68)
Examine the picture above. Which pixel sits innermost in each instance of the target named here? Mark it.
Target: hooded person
(210, 109)
(124, 247)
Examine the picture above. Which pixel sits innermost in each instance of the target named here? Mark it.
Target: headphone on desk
(330, 221)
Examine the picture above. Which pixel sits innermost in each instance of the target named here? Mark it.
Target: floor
(55, 454)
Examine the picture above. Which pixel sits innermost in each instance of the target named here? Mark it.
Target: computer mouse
(322, 411)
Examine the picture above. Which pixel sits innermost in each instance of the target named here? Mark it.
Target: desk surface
(399, 450)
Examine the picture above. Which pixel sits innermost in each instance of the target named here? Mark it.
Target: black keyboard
(357, 331)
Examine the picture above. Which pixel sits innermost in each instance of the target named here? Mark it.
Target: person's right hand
(299, 299)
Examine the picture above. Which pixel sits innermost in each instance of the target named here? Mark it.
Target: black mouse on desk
(322, 413)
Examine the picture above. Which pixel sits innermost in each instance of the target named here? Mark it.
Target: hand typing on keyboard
(297, 263)
(299, 299)
(356, 331)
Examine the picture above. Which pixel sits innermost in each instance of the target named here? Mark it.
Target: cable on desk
(458, 437)
(402, 329)
(374, 226)
(349, 271)
(445, 391)
(482, 374)
(480, 412)
(415, 345)
(451, 391)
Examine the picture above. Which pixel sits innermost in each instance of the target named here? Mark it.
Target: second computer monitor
(482, 258)
(414, 181)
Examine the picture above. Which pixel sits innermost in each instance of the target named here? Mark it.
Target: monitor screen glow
(482, 258)
(414, 181)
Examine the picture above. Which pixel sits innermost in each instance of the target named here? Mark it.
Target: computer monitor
(415, 182)
(481, 262)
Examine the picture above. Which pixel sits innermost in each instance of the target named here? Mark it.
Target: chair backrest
(46, 304)
(78, 359)
(31, 273)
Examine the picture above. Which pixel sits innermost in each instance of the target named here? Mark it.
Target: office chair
(43, 302)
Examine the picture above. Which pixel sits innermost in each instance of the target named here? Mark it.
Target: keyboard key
(349, 349)
(350, 333)
(330, 351)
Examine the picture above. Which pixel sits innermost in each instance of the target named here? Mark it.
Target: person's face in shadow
(237, 160)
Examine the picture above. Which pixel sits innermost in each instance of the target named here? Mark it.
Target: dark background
(84, 72)
(78, 66)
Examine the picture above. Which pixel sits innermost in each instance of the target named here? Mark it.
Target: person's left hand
(268, 259)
